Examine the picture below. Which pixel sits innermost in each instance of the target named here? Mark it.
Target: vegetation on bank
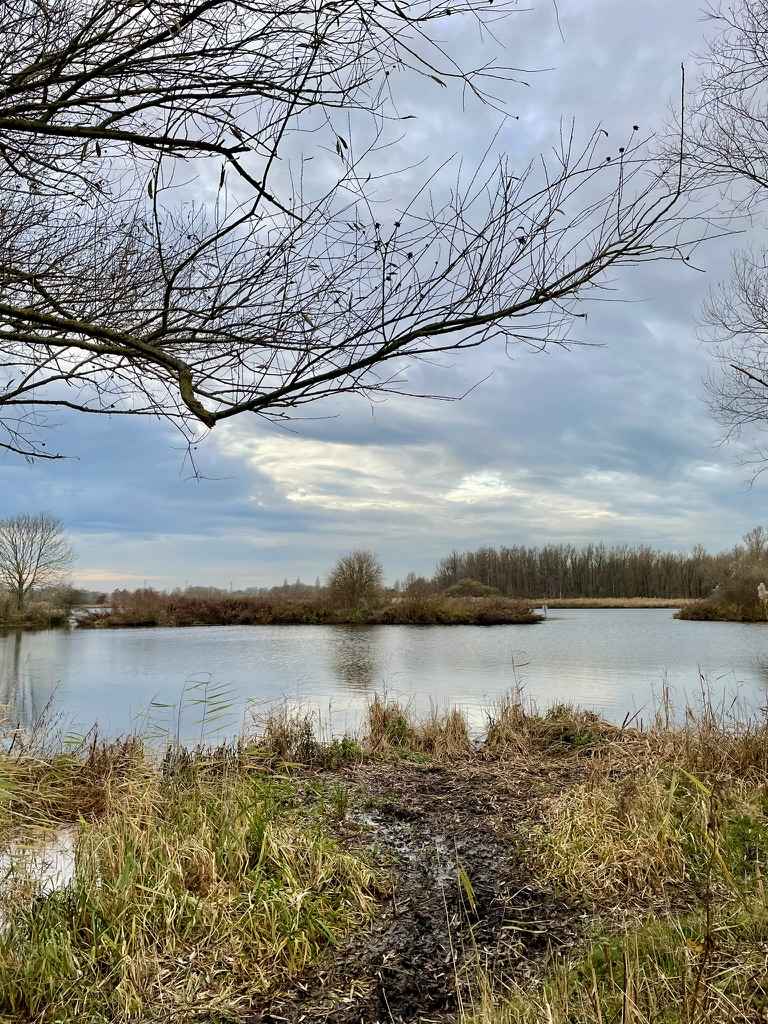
(35, 615)
(207, 879)
(713, 610)
(198, 882)
(741, 596)
(152, 608)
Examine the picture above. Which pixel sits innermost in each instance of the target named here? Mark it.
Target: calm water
(612, 661)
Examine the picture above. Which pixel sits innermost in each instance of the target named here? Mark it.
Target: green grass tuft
(192, 892)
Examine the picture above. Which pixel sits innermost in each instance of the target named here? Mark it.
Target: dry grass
(517, 729)
(651, 834)
(43, 789)
(657, 973)
(391, 728)
(202, 880)
(289, 737)
(198, 884)
(152, 608)
(666, 836)
(702, 740)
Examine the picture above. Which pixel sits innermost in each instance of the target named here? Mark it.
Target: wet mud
(452, 839)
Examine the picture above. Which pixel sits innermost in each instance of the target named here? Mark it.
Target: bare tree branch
(727, 146)
(118, 294)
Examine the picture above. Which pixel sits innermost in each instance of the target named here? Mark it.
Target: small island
(354, 595)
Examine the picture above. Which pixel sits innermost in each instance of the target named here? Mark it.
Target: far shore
(169, 610)
(612, 602)
(164, 611)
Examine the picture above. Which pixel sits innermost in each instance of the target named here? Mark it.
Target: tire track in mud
(461, 895)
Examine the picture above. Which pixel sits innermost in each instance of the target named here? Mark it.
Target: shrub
(471, 588)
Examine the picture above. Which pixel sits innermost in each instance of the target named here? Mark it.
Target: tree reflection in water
(17, 695)
(355, 657)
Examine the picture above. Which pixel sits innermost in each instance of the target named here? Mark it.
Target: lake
(610, 660)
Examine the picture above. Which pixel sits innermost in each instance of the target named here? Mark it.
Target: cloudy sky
(612, 442)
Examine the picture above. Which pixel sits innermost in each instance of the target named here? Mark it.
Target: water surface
(608, 660)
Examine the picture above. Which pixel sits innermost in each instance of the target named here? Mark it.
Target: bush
(471, 588)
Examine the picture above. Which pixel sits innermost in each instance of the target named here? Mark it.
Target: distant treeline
(593, 570)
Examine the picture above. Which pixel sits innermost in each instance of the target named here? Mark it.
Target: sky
(612, 442)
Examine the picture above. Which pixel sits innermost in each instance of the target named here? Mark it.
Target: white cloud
(345, 477)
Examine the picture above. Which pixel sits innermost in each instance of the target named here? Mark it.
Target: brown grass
(705, 739)
(151, 608)
(663, 839)
(390, 727)
(198, 883)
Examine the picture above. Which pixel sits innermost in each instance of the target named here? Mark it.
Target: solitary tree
(33, 553)
(279, 284)
(356, 580)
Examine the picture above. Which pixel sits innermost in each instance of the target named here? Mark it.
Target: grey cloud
(610, 442)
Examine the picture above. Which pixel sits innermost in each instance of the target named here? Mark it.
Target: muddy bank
(461, 894)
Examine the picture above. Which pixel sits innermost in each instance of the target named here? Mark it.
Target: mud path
(461, 895)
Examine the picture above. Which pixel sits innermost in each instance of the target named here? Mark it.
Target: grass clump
(40, 790)
(661, 972)
(518, 730)
(390, 728)
(287, 736)
(193, 892)
(650, 834)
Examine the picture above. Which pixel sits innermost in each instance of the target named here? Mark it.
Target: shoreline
(406, 873)
(242, 612)
(433, 611)
(613, 602)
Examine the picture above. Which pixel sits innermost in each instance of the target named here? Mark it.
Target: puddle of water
(49, 865)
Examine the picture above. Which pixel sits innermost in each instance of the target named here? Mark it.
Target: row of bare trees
(593, 570)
